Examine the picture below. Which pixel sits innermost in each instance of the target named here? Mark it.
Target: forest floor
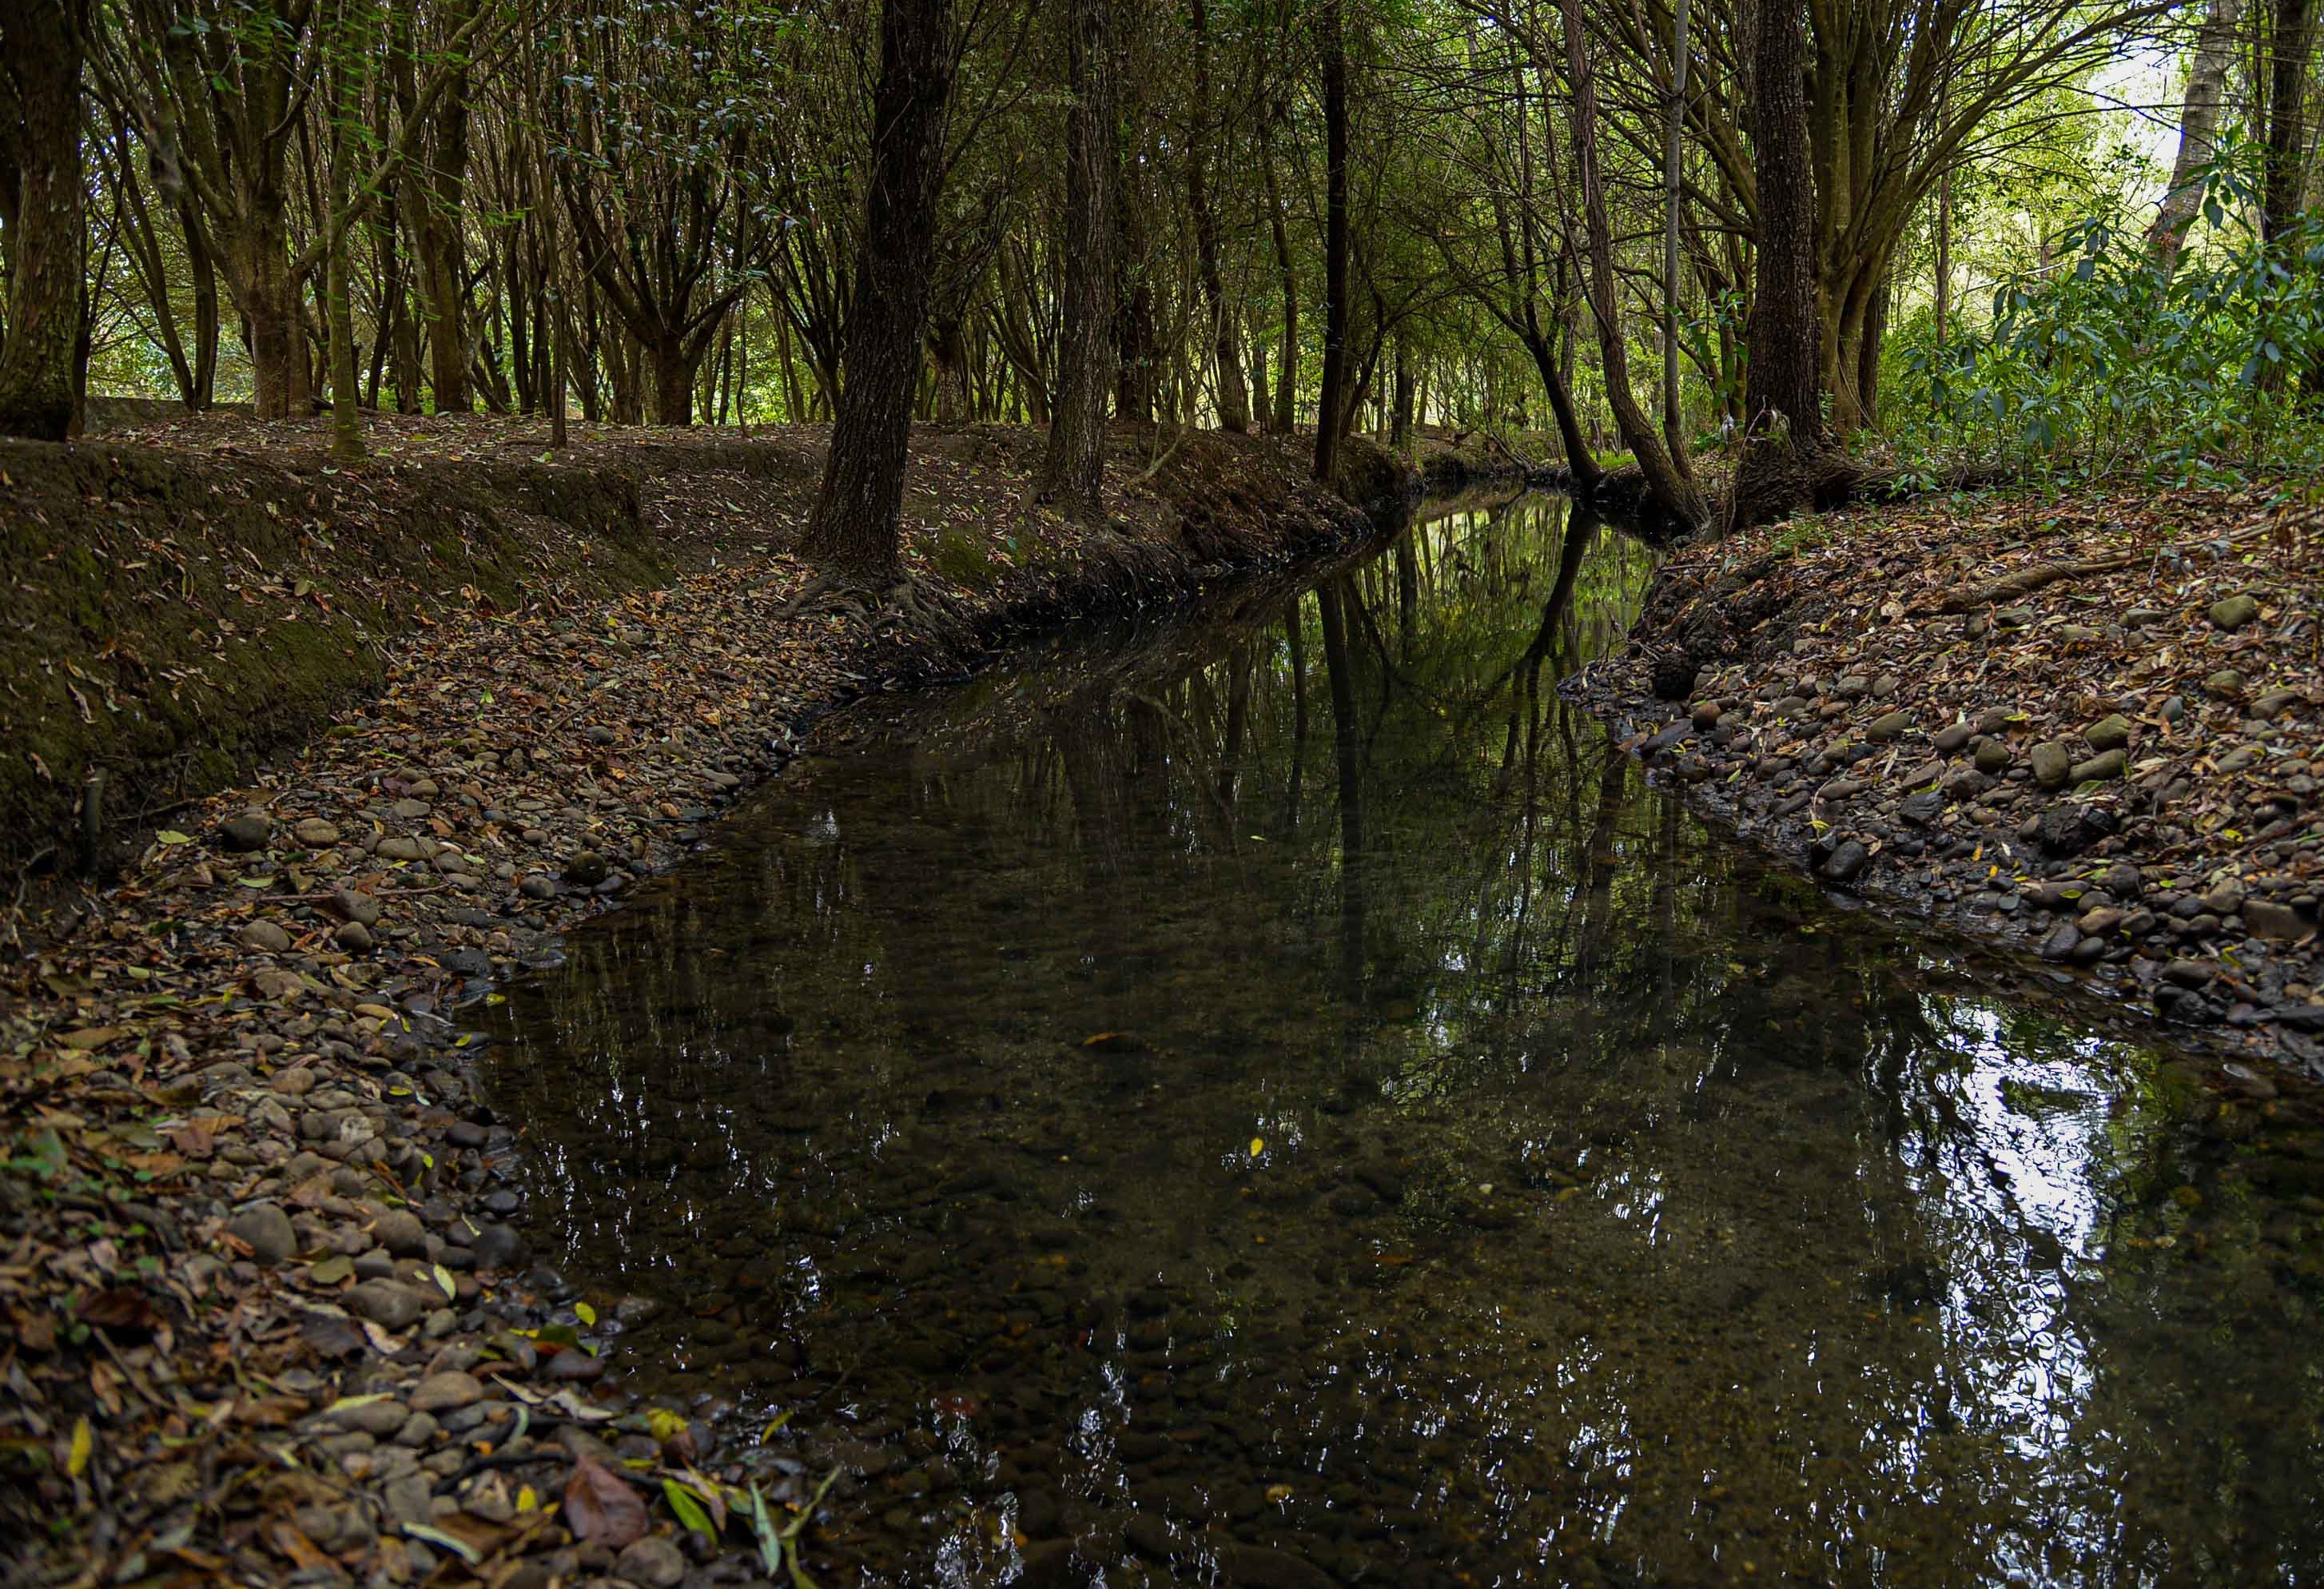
(2088, 724)
(270, 1313)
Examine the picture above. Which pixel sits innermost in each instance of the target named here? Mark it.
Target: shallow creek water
(1270, 1097)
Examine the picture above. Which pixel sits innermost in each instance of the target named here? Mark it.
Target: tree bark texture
(2199, 133)
(41, 46)
(2290, 39)
(853, 530)
(1783, 432)
(1073, 465)
(1330, 404)
(1234, 397)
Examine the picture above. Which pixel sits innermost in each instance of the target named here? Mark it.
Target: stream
(1267, 1095)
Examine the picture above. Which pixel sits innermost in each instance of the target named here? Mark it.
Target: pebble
(400, 1232)
(388, 1303)
(2232, 613)
(247, 832)
(314, 833)
(445, 1392)
(652, 1562)
(353, 937)
(354, 905)
(264, 936)
(2052, 764)
(1846, 862)
(267, 1229)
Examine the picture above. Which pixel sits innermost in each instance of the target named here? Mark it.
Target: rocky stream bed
(2087, 729)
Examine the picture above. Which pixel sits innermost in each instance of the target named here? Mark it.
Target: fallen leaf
(601, 1507)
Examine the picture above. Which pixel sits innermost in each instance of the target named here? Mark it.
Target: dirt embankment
(2090, 729)
(268, 1311)
(183, 600)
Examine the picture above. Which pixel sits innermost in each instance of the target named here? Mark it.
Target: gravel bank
(2088, 729)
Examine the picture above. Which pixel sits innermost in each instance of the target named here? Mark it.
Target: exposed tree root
(901, 602)
(2027, 581)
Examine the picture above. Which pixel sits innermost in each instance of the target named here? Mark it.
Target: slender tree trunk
(1868, 355)
(1262, 406)
(1784, 431)
(2199, 133)
(207, 324)
(346, 418)
(43, 40)
(854, 529)
(434, 190)
(1073, 465)
(1287, 275)
(1666, 481)
(1945, 250)
(1674, 194)
(1331, 402)
(1400, 431)
(1234, 397)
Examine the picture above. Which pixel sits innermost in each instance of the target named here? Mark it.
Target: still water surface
(1272, 1098)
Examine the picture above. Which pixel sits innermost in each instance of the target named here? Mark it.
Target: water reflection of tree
(1747, 1138)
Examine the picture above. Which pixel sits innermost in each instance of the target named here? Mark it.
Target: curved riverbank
(2086, 730)
(271, 1315)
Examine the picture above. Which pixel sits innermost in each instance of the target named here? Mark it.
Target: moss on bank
(173, 613)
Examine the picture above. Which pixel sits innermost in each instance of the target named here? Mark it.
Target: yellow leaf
(528, 1500)
(664, 1424)
(584, 1313)
(1257, 1146)
(451, 1287)
(83, 1442)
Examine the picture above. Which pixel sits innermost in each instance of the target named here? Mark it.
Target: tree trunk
(434, 191)
(43, 40)
(1137, 372)
(1667, 480)
(277, 320)
(673, 375)
(1333, 48)
(1399, 425)
(1073, 465)
(1234, 397)
(347, 417)
(854, 529)
(207, 323)
(1673, 192)
(2199, 133)
(1783, 438)
(1262, 406)
(1287, 273)
(2288, 46)
(1868, 355)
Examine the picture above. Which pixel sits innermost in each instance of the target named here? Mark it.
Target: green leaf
(770, 1540)
(170, 836)
(690, 1515)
